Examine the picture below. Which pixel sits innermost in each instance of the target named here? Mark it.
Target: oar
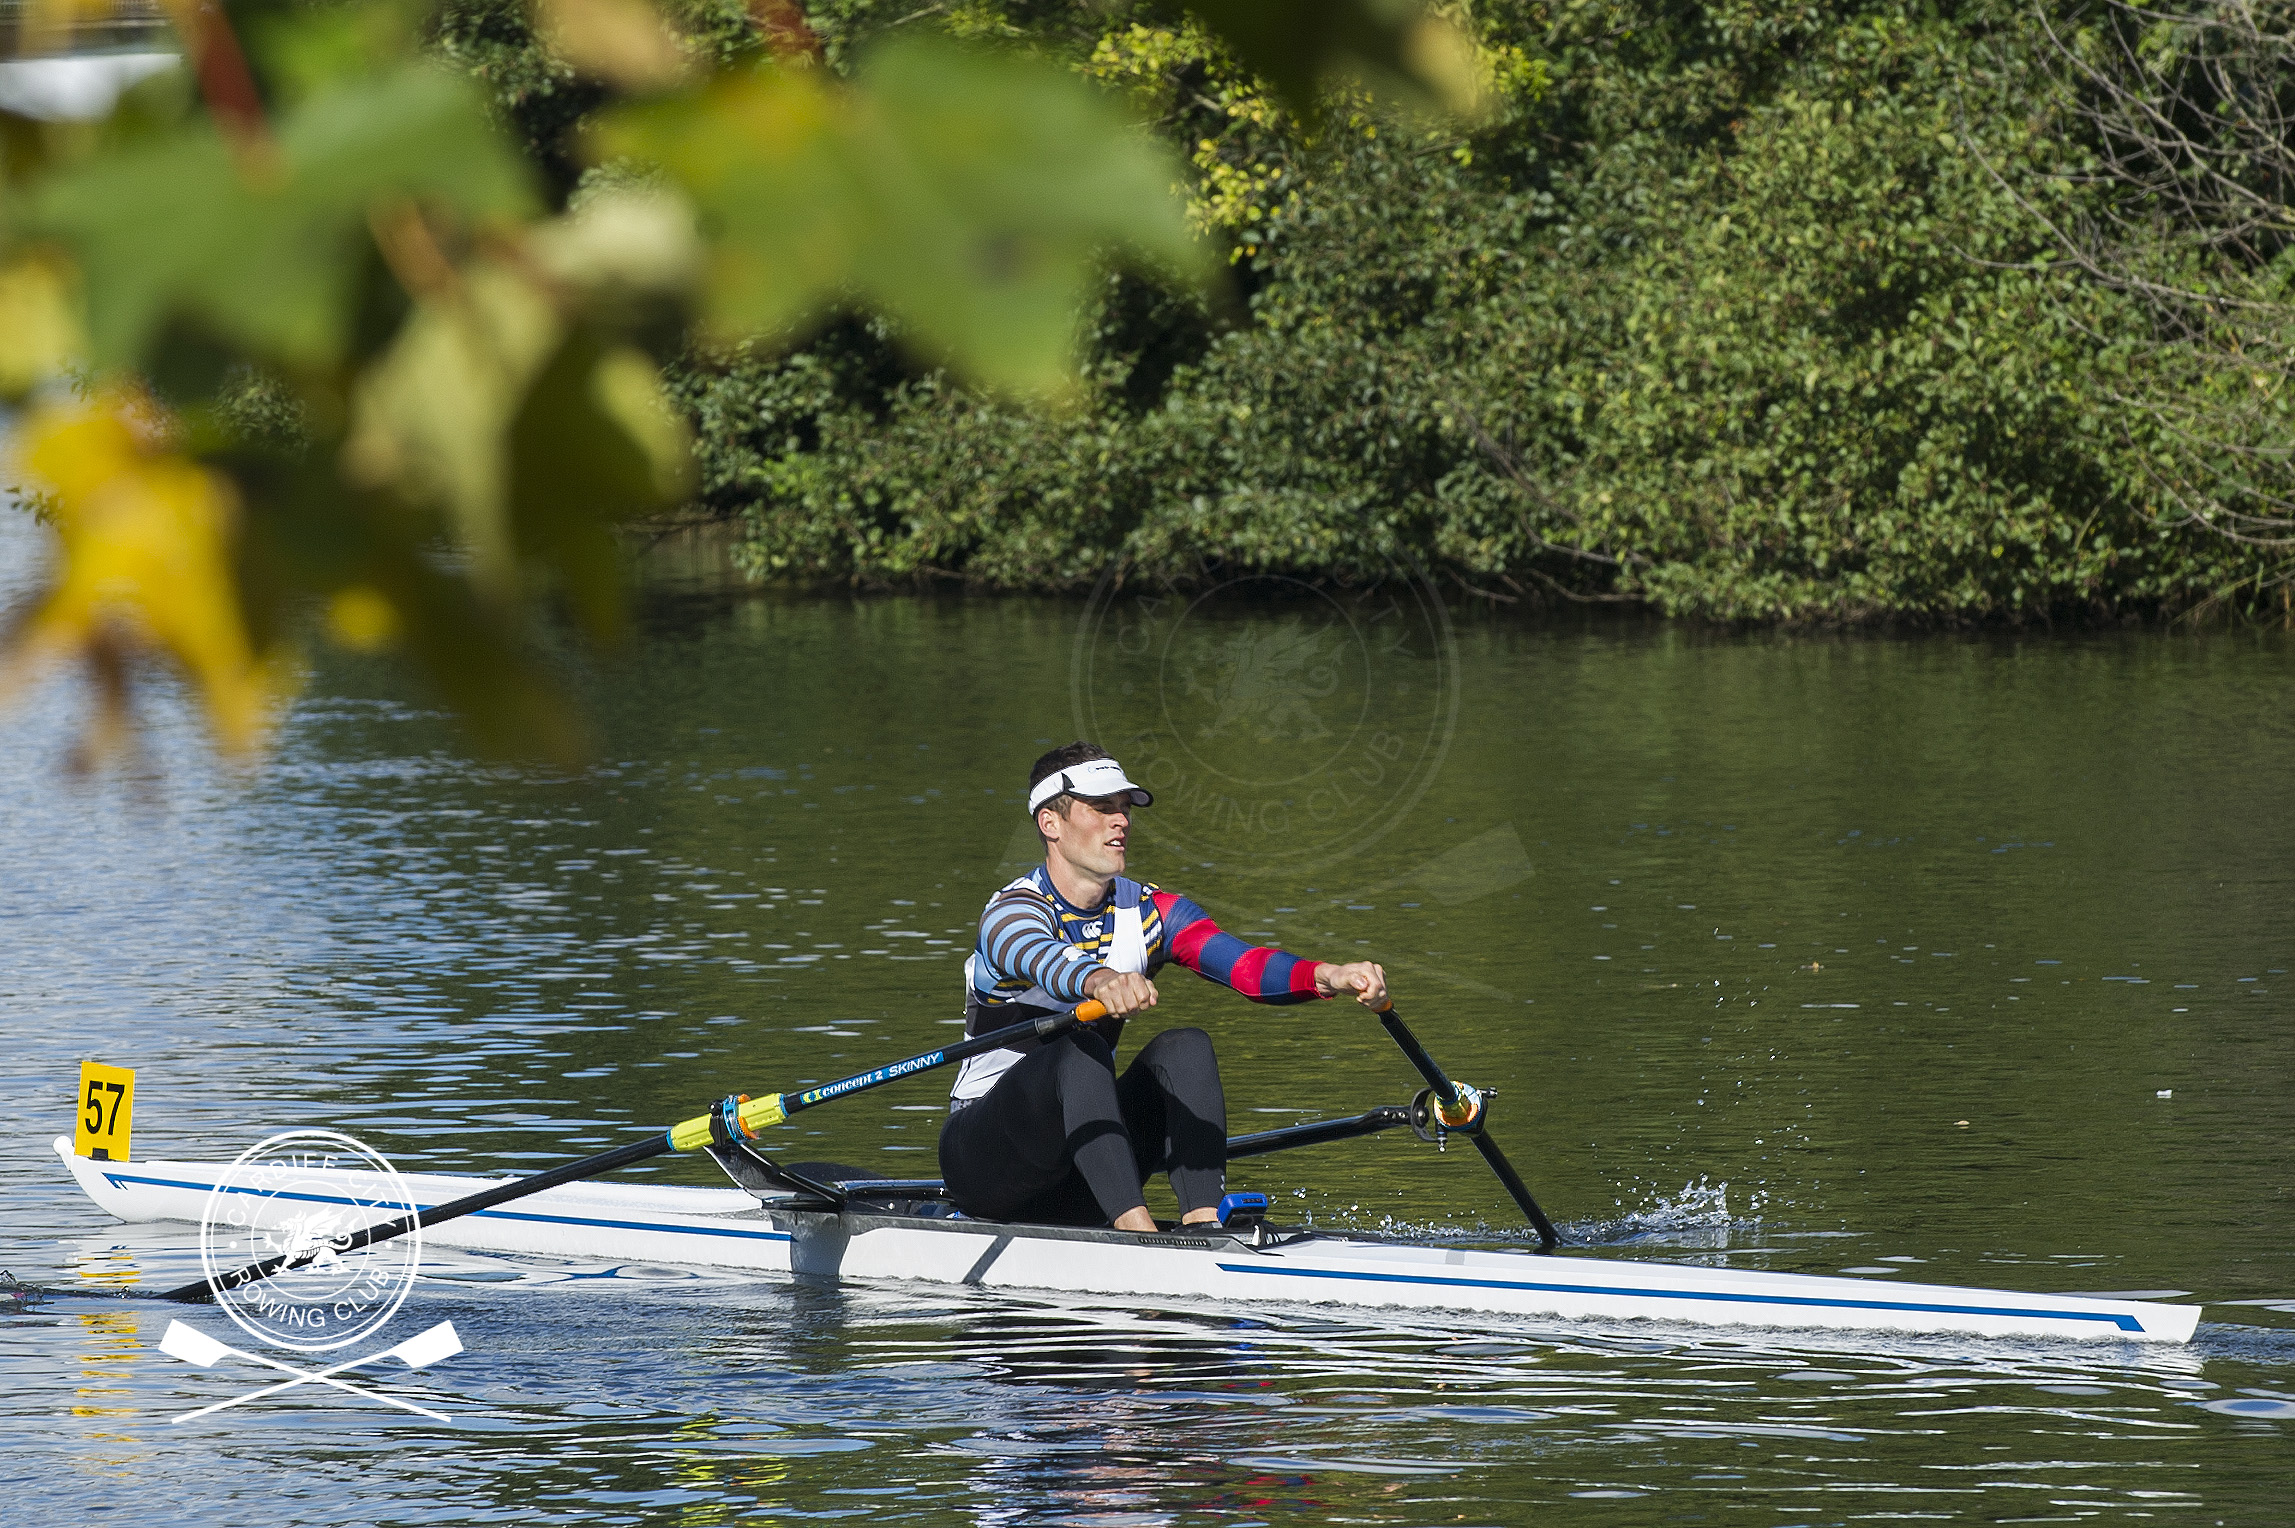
(417, 1352)
(738, 1117)
(1463, 1112)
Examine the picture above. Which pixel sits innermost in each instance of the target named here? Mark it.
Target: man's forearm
(1259, 973)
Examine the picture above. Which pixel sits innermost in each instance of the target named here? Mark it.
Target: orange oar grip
(1090, 1009)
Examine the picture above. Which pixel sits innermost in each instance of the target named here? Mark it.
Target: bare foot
(1135, 1219)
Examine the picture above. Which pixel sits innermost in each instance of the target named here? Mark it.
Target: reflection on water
(926, 1405)
(110, 1339)
(1953, 960)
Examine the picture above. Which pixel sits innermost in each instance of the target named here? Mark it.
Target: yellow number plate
(107, 1104)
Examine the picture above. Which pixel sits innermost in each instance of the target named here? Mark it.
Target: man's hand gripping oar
(738, 1117)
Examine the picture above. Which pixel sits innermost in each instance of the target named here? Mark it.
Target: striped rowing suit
(1035, 951)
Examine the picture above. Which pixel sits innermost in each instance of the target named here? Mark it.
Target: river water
(1959, 958)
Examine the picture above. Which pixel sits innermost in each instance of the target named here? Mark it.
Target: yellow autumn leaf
(39, 329)
(363, 619)
(146, 564)
(431, 416)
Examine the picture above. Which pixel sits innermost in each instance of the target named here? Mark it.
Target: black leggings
(1062, 1140)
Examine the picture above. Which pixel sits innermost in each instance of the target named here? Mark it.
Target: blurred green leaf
(308, 532)
(532, 430)
(266, 253)
(971, 197)
(302, 50)
(594, 443)
(432, 416)
(1303, 47)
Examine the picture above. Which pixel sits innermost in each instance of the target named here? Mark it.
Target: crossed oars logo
(418, 1352)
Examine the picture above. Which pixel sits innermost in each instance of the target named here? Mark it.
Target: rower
(1048, 1132)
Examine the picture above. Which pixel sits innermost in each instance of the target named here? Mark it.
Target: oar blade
(426, 1348)
(191, 1345)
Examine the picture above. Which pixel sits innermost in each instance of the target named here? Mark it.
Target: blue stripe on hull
(738, 1233)
(2124, 1323)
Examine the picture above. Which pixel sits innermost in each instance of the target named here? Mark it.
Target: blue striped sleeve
(1020, 941)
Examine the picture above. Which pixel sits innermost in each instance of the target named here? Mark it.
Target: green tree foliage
(2190, 119)
(316, 329)
(1743, 311)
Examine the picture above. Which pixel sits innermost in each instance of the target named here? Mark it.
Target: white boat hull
(729, 1228)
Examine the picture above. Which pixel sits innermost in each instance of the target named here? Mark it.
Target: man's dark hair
(1066, 756)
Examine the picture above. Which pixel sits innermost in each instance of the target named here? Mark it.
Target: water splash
(1697, 1215)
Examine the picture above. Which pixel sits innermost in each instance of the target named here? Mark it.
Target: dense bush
(1740, 310)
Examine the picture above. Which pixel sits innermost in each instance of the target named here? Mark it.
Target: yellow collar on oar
(738, 1116)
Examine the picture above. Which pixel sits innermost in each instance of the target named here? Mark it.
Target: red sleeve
(1262, 975)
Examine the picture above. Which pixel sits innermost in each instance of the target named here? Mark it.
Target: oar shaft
(1446, 1092)
(201, 1292)
(1428, 1067)
(1547, 1235)
(749, 1116)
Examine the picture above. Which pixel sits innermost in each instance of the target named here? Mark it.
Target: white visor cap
(1094, 778)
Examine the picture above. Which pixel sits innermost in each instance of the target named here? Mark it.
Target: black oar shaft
(748, 1117)
(1447, 1092)
(1547, 1235)
(654, 1145)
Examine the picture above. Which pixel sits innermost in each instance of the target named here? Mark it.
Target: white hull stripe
(2124, 1323)
(737, 1233)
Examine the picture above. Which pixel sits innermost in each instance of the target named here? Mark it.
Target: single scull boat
(878, 1233)
(824, 1221)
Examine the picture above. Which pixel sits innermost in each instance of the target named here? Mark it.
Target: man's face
(1093, 833)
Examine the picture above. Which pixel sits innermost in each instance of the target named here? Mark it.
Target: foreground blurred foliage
(381, 317)
(1741, 311)
(355, 324)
